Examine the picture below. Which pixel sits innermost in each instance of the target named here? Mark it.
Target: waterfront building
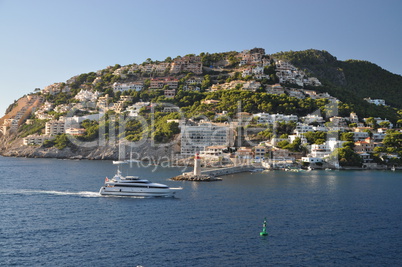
(196, 138)
(320, 151)
(54, 127)
(259, 153)
(36, 139)
(311, 159)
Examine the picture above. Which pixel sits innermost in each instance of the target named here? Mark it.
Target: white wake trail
(52, 192)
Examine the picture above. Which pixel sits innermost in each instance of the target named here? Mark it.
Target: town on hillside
(232, 109)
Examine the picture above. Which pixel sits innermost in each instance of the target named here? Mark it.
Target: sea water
(52, 215)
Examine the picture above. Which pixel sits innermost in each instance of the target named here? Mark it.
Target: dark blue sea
(51, 215)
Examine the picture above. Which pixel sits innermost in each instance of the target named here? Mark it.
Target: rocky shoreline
(13, 147)
(163, 155)
(196, 178)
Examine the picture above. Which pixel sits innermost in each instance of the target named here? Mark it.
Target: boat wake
(51, 192)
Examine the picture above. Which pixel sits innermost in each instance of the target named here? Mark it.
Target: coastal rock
(148, 151)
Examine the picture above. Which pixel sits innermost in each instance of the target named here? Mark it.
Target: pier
(210, 175)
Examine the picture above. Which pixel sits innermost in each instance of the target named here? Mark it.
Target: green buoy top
(264, 228)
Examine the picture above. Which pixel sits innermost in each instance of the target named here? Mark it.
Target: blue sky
(48, 41)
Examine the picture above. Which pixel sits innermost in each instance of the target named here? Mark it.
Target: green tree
(371, 122)
(384, 124)
(346, 157)
(393, 139)
(206, 83)
(347, 136)
(61, 141)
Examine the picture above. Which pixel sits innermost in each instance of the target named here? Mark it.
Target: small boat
(393, 168)
(293, 169)
(121, 185)
(119, 162)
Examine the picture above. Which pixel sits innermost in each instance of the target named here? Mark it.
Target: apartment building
(197, 138)
(54, 127)
(159, 83)
(35, 139)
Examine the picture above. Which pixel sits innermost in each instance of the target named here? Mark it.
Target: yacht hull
(138, 192)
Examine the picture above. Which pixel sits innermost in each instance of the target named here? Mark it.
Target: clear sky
(48, 41)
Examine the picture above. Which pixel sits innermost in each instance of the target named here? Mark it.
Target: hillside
(350, 80)
(219, 88)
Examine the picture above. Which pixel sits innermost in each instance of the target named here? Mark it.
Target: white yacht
(119, 161)
(121, 185)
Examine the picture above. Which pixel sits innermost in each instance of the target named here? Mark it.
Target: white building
(311, 159)
(197, 138)
(71, 122)
(75, 131)
(272, 118)
(35, 139)
(353, 118)
(85, 95)
(135, 109)
(320, 151)
(377, 102)
(303, 128)
(54, 127)
(379, 120)
(251, 85)
(310, 118)
(292, 138)
(333, 143)
(136, 86)
(359, 136)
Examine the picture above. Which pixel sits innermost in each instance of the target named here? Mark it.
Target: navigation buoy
(264, 228)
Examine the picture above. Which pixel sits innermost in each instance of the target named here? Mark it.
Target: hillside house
(186, 64)
(121, 87)
(365, 146)
(75, 131)
(275, 89)
(377, 102)
(159, 83)
(169, 93)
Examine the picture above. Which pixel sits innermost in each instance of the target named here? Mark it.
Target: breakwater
(209, 175)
